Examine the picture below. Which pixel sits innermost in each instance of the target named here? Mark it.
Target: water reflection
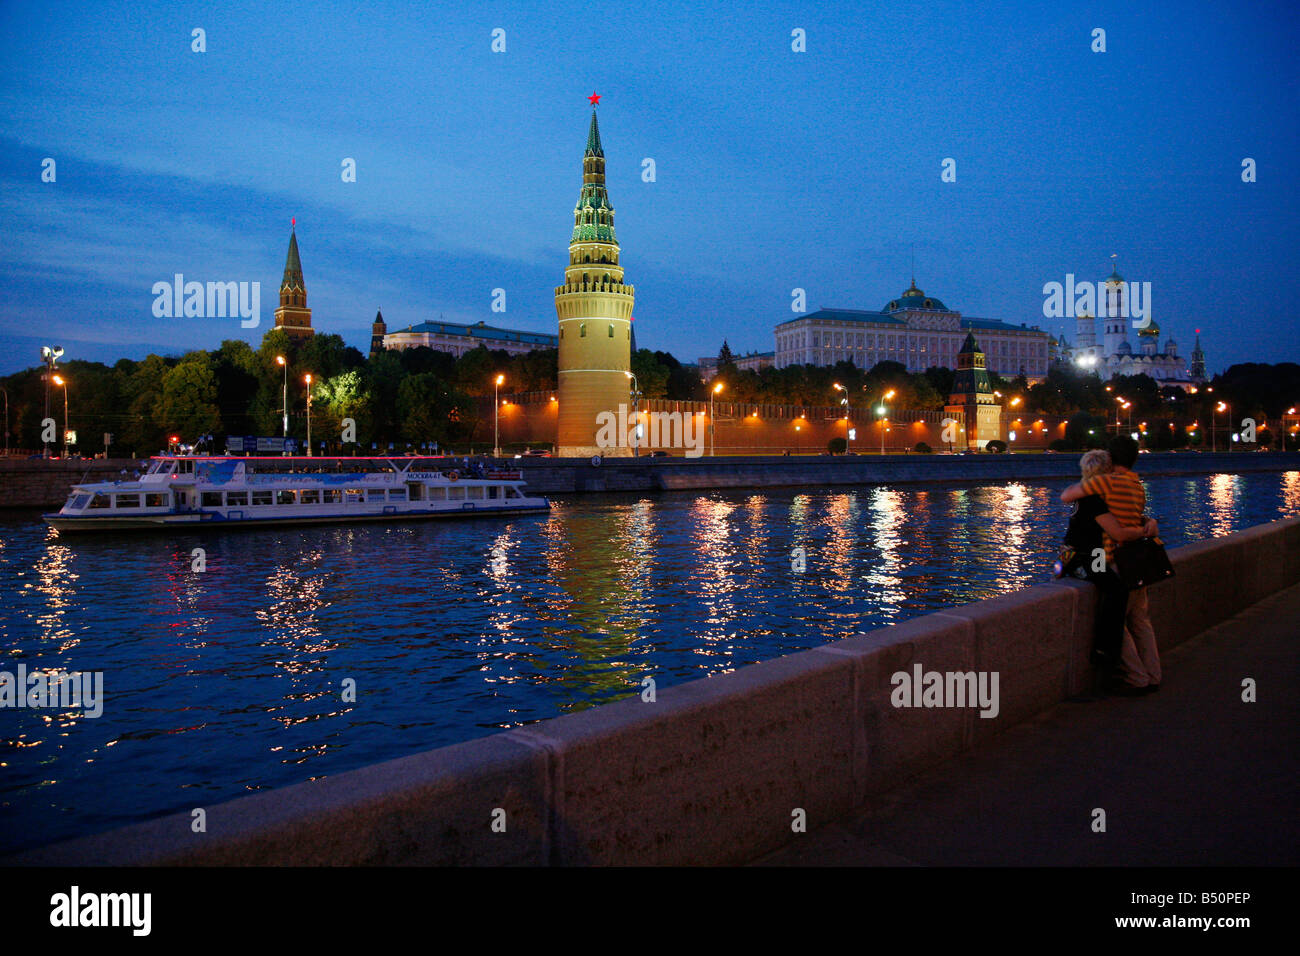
(232, 679)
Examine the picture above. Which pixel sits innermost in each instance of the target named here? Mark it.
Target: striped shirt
(1125, 499)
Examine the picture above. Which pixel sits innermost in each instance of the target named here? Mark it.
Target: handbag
(1142, 563)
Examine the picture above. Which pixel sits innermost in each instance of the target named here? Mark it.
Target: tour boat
(198, 491)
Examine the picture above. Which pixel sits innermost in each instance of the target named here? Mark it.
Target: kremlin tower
(293, 315)
(595, 314)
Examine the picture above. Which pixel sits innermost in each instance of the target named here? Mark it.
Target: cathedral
(1115, 356)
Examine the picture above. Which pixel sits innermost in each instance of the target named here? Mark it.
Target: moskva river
(234, 678)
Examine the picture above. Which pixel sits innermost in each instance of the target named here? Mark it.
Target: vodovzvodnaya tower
(595, 312)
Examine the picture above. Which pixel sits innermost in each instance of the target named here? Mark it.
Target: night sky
(775, 169)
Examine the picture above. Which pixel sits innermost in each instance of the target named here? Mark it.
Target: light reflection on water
(232, 679)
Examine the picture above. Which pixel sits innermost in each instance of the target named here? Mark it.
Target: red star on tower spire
(594, 98)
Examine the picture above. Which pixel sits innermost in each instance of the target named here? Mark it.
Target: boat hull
(211, 520)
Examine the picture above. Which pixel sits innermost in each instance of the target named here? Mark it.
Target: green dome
(914, 298)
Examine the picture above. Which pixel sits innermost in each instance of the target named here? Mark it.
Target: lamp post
(1222, 407)
(50, 355)
(284, 395)
(496, 414)
(880, 412)
(307, 380)
(636, 415)
(712, 392)
(848, 425)
(60, 380)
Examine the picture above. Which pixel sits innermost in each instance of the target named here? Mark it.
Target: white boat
(192, 491)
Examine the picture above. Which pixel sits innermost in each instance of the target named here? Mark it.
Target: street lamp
(848, 425)
(284, 395)
(496, 416)
(307, 379)
(714, 391)
(636, 416)
(880, 412)
(50, 355)
(60, 380)
(1221, 407)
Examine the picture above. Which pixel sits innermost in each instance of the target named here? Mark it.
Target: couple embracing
(1111, 513)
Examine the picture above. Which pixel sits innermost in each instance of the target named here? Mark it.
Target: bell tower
(594, 308)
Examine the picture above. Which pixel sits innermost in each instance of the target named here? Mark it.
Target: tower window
(582, 330)
(611, 331)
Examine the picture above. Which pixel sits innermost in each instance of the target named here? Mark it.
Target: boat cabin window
(332, 495)
(397, 494)
(476, 491)
(456, 494)
(77, 501)
(512, 492)
(494, 491)
(284, 497)
(186, 467)
(100, 501)
(127, 501)
(261, 497)
(437, 494)
(237, 498)
(212, 499)
(354, 495)
(309, 497)
(155, 500)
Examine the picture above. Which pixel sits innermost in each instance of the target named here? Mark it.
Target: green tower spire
(593, 137)
(593, 217)
(292, 266)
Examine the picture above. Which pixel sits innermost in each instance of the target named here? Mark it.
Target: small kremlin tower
(972, 396)
(377, 332)
(293, 315)
(595, 314)
(1198, 361)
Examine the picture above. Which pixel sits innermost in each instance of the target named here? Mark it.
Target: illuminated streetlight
(712, 392)
(50, 355)
(636, 415)
(496, 414)
(60, 380)
(307, 380)
(284, 394)
(848, 430)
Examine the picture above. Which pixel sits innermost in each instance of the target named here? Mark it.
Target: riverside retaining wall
(39, 484)
(711, 772)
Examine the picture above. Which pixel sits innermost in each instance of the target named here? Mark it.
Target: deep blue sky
(819, 170)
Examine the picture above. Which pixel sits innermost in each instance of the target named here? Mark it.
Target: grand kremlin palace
(916, 330)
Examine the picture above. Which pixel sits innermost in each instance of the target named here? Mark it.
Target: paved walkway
(1187, 776)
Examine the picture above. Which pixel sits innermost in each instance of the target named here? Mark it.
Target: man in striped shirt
(1125, 498)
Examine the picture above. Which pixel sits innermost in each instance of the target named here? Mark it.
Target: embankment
(45, 484)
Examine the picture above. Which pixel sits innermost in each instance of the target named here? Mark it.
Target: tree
(726, 361)
(189, 398)
(651, 375)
